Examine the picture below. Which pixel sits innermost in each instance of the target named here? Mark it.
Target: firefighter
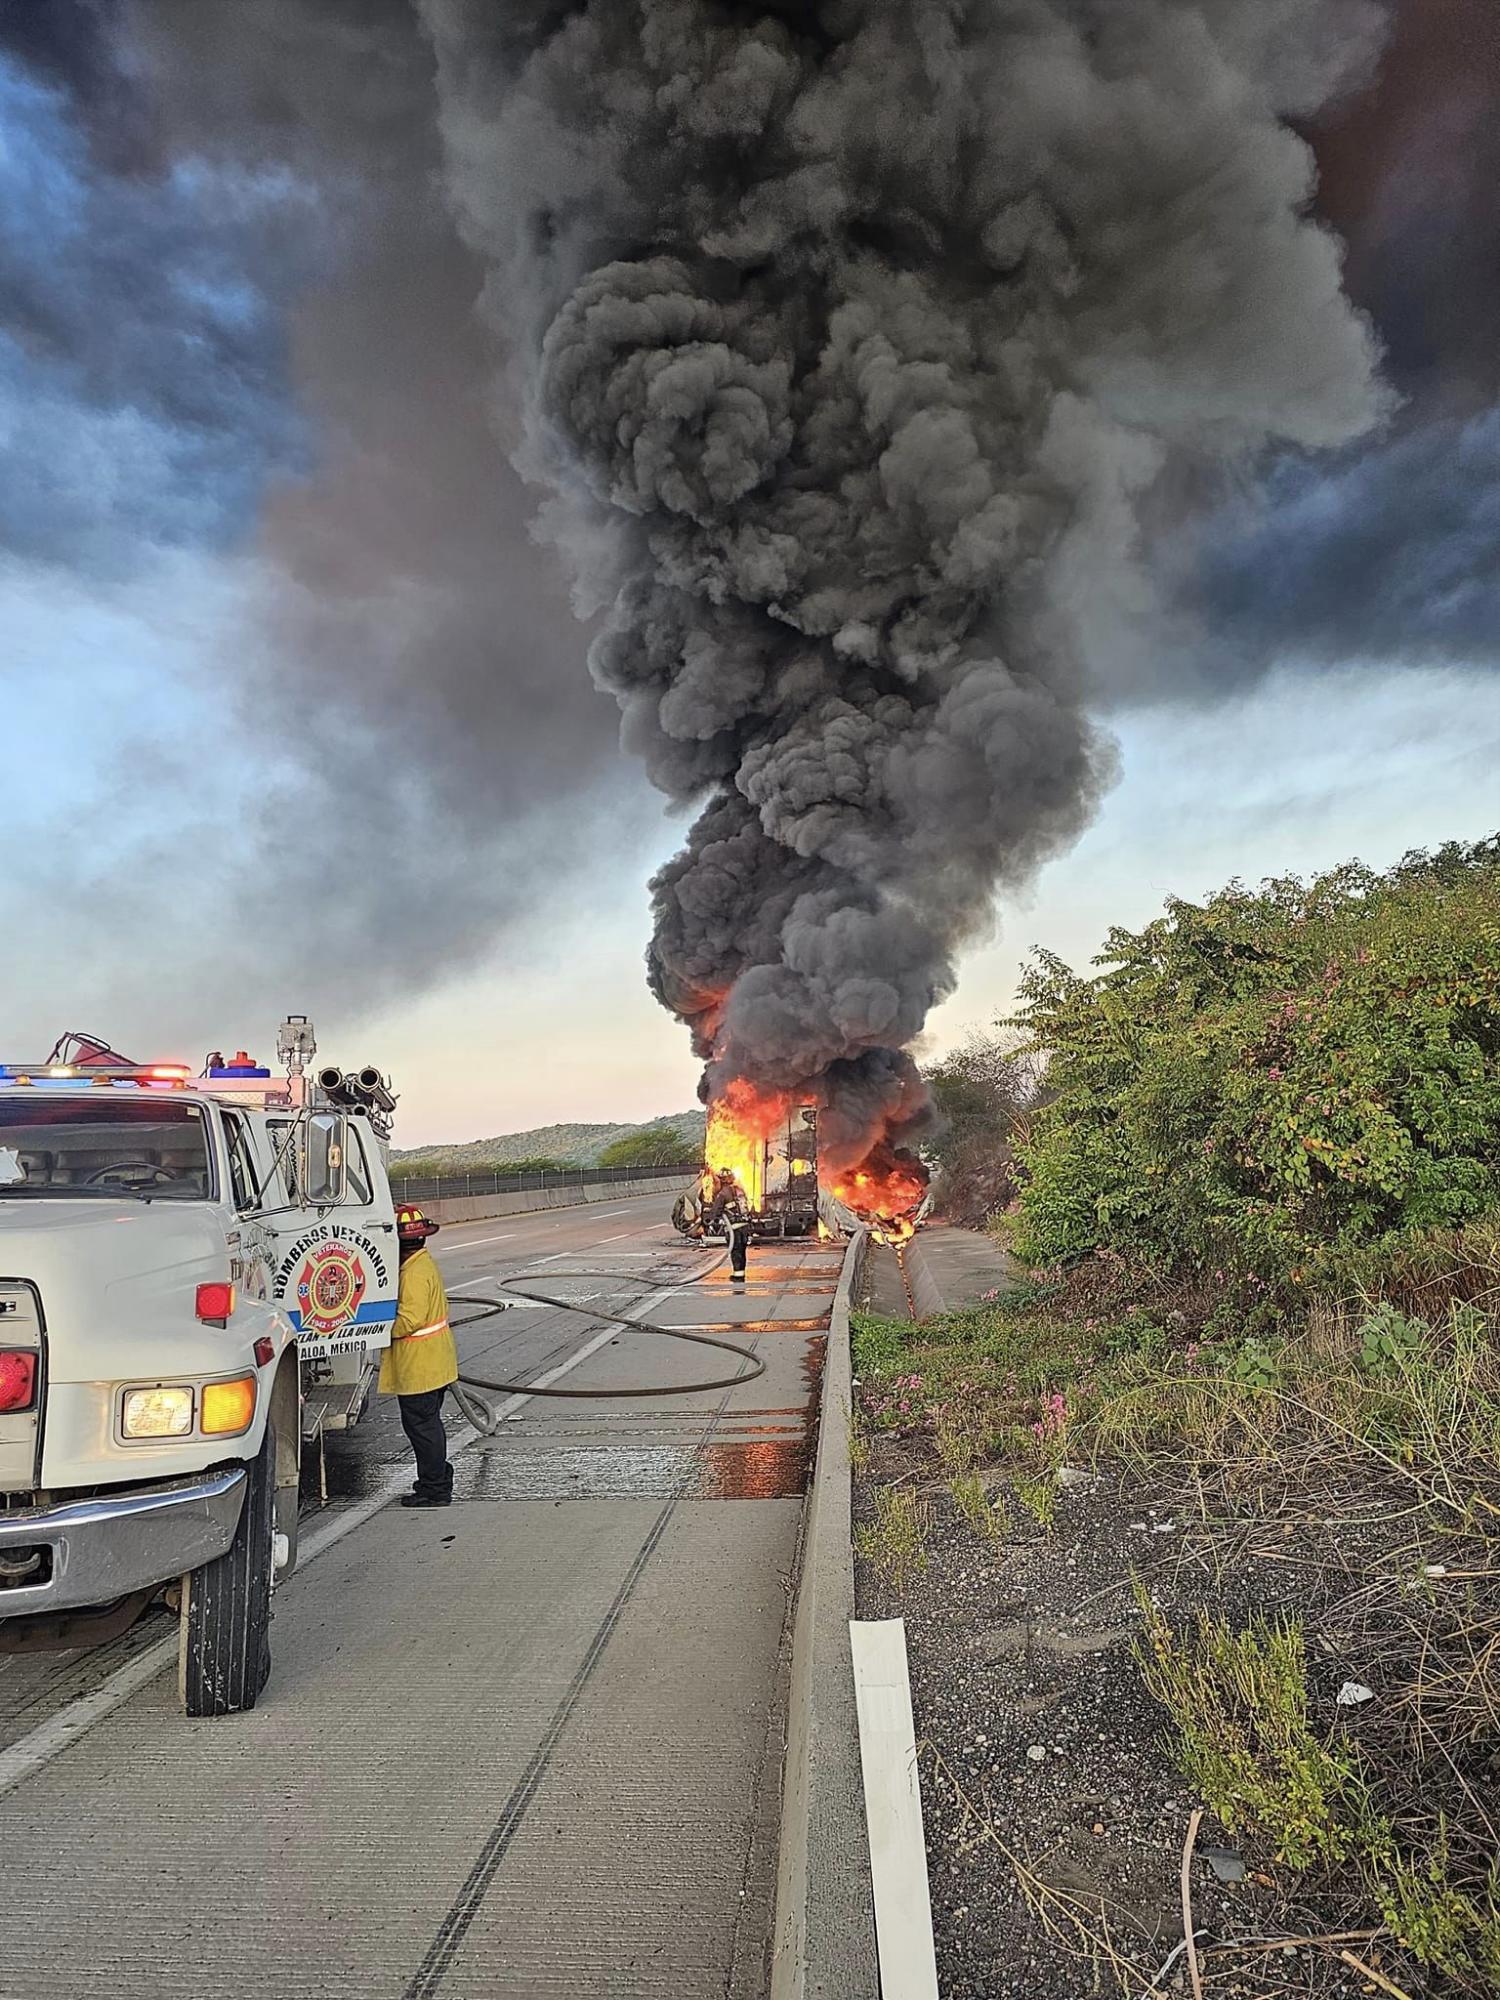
(728, 1210)
(421, 1360)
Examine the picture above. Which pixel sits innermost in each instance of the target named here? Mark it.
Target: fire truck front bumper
(85, 1553)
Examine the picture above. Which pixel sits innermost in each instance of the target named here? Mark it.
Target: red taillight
(215, 1303)
(17, 1379)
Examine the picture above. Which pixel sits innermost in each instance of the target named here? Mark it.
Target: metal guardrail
(440, 1187)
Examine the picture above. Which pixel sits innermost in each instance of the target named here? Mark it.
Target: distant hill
(569, 1145)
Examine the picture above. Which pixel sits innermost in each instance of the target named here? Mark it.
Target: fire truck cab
(195, 1275)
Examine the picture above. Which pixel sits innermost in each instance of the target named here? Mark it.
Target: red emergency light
(17, 1379)
(215, 1303)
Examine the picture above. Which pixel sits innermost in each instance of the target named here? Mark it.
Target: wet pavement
(528, 1745)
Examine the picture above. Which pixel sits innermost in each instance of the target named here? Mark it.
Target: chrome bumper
(104, 1548)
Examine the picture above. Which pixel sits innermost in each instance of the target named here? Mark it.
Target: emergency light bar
(175, 1073)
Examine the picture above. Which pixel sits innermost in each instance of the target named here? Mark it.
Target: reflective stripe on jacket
(422, 1354)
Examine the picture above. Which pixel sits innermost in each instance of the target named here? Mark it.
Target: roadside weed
(1238, 1704)
(893, 1541)
(1255, 1366)
(958, 1445)
(1037, 1493)
(986, 1516)
(859, 1443)
(879, 1345)
(1389, 1343)
(1455, 1932)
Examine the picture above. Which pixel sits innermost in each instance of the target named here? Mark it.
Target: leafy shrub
(1272, 1080)
(1389, 1343)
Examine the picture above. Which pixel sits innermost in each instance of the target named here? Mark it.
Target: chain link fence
(438, 1187)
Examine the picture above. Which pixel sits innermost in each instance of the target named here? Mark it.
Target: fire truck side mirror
(324, 1151)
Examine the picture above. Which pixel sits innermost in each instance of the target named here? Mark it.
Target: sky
(253, 584)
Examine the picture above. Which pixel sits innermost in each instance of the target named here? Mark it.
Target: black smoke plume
(852, 338)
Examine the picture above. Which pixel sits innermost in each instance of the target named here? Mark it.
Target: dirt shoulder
(1148, 1571)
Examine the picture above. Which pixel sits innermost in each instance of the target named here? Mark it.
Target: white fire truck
(196, 1274)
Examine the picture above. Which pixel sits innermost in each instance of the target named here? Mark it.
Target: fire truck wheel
(224, 1625)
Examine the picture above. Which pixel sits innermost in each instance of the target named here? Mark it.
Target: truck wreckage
(771, 1174)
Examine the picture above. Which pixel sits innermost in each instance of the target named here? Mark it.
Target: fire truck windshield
(67, 1148)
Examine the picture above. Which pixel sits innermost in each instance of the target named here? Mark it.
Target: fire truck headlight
(157, 1413)
(228, 1407)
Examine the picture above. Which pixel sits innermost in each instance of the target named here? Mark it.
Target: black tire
(224, 1625)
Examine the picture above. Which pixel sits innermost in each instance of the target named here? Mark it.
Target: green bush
(1271, 1080)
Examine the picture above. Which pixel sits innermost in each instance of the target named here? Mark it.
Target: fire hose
(485, 1418)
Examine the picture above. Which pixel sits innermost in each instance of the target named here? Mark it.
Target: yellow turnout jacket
(421, 1354)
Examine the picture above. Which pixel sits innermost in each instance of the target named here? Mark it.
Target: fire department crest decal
(329, 1288)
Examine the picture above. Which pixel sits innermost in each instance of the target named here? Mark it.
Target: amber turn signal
(227, 1408)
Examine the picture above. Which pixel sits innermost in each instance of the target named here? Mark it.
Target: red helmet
(412, 1226)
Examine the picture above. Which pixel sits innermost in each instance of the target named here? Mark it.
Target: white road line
(29, 1753)
(473, 1242)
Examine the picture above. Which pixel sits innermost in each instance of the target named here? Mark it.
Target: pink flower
(1054, 1418)
(1274, 1074)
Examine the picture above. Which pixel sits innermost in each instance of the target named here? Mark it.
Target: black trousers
(739, 1244)
(422, 1420)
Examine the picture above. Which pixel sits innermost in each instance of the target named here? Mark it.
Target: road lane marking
(473, 1242)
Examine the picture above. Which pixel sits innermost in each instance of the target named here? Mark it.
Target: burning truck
(760, 1152)
(773, 1160)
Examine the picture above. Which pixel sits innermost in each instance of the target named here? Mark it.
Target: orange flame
(739, 1123)
(886, 1189)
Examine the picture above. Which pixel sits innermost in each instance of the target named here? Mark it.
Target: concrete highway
(528, 1745)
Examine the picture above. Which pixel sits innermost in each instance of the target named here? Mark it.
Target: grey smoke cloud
(1388, 551)
(852, 340)
(322, 421)
(1392, 554)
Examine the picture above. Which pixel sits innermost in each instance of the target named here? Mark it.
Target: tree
(1265, 1083)
(987, 1091)
(655, 1146)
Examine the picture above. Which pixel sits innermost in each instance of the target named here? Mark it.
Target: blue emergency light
(243, 1065)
